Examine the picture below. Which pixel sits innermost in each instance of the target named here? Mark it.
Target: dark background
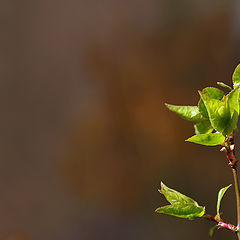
(85, 138)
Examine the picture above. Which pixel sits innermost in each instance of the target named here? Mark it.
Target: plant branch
(232, 162)
(236, 184)
(222, 224)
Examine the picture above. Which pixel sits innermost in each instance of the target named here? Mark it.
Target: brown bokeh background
(85, 136)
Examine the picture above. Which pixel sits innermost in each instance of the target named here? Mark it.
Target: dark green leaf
(212, 92)
(187, 211)
(236, 77)
(203, 127)
(212, 229)
(190, 113)
(224, 85)
(175, 197)
(208, 139)
(220, 196)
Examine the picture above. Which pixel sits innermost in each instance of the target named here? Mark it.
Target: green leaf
(212, 229)
(208, 139)
(220, 196)
(218, 111)
(212, 92)
(175, 197)
(187, 211)
(181, 205)
(233, 104)
(221, 84)
(232, 124)
(223, 114)
(236, 77)
(233, 100)
(203, 127)
(190, 113)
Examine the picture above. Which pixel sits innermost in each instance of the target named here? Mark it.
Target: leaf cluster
(185, 207)
(216, 114)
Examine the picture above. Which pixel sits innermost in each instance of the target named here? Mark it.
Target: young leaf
(181, 205)
(233, 100)
(190, 113)
(187, 211)
(212, 92)
(221, 84)
(218, 111)
(232, 124)
(236, 77)
(220, 196)
(212, 229)
(208, 139)
(233, 104)
(175, 197)
(203, 127)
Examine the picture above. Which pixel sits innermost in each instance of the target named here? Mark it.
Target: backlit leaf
(233, 100)
(233, 104)
(190, 113)
(175, 197)
(218, 112)
(232, 124)
(236, 77)
(221, 84)
(212, 92)
(181, 205)
(220, 196)
(187, 211)
(203, 127)
(208, 139)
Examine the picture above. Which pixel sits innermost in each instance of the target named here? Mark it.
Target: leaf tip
(188, 140)
(167, 105)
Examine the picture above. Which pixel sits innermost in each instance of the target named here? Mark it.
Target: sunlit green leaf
(190, 113)
(233, 104)
(221, 84)
(175, 197)
(212, 92)
(233, 100)
(218, 111)
(203, 127)
(220, 196)
(232, 124)
(187, 211)
(236, 77)
(181, 205)
(208, 139)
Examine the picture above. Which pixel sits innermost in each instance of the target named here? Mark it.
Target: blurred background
(85, 136)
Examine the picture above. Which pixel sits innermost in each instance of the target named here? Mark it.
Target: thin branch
(222, 224)
(232, 162)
